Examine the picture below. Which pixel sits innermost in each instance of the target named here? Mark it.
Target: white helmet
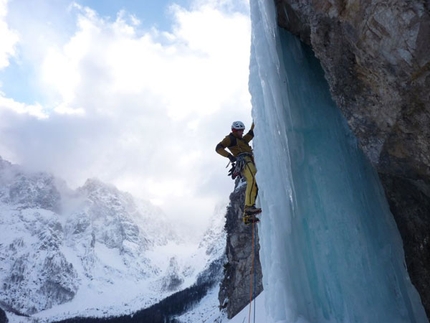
(238, 125)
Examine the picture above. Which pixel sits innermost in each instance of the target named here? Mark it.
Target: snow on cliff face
(80, 251)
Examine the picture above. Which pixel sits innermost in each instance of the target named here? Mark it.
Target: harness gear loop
(240, 163)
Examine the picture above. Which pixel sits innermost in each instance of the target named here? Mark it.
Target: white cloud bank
(8, 37)
(141, 109)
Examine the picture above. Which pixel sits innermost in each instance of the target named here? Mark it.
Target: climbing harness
(239, 164)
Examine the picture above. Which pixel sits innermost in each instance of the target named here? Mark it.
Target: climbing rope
(252, 276)
(255, 279)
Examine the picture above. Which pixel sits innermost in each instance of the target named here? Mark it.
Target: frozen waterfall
(330, 249)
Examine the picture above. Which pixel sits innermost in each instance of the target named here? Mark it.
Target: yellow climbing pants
(249, 172)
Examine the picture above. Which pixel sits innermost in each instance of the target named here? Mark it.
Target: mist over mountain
(90, 251)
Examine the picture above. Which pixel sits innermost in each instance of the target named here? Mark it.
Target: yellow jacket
(235, 144)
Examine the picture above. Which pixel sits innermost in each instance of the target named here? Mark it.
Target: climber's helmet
(237, 126)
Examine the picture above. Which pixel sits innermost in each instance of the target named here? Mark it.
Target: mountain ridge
(86, 248)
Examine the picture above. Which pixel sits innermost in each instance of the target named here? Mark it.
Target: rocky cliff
(376, 58)
(242, 272)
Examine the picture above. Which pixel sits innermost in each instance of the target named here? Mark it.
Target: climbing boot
(248, 219)
(252, 210)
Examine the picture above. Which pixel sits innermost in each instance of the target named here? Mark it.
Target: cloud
(9, 37)
(139, 108)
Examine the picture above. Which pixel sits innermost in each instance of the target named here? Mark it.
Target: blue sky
(150, 12)
(134, 93)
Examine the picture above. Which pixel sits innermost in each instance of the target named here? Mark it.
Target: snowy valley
(94, 251)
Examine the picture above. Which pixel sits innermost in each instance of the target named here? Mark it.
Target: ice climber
(242, 160)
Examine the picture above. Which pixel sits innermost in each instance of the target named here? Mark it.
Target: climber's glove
(233, 171)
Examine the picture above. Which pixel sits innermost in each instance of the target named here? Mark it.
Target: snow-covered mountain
(94, 251)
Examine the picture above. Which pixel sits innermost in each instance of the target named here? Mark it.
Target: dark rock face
(36, 191)
(173, 280)
(3, 317)
(242, 272)
(376, 58)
